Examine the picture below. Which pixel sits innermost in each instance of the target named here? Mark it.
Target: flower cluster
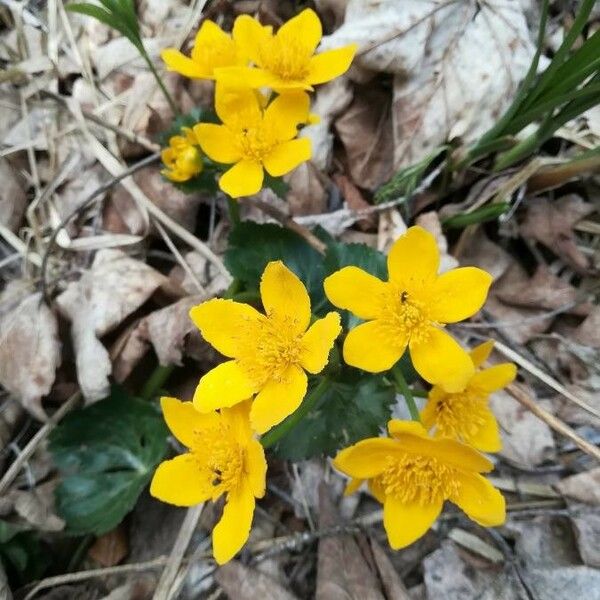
(414, 470)
(261, 99)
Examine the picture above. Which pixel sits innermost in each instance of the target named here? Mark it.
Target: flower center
(421, 479)
(256, 142)
(460, 415)
(288, 58)
(406, 316)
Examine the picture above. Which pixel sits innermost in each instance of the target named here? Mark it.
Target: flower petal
(217, 142)
(414, 259)
(179, 481)
(397, 428)
(318, 342)
(495, 378)
(225, 324)
(356, 290)
(278, 399)
(481, 353)
(256, 465)
(238, 418)
(236, 106)
(182, 419)
(210, 35)
(439, 359)
(233, 530)
(367, 458)
(285, 157)
(376, 488)
(459, 294)
(406, 523)
(223, 386)
(305, 29)
(352, 486)
(178, 62)
(285, 297)
(286, 112)
(330, 64)
(243, 179)
(487, 438)
(371, 347)
(251, 77)
(249, 34)
(480, 500)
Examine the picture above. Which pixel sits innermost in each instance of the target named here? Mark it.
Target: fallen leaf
(391, 227)
(584, 487)
(245, 583)
(30, 352)
(586, 524)
(588, 333)
(456, 65)
(392, 584)
(36, 507)
(114, 287)
(551, 223)
(111, 548)
(477, 250)
(307, 194)
(355, 201)
(565, 583)
(12, 197)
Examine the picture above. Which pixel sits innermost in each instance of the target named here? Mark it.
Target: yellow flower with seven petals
(285, 60)
(466, 415)
(412, 475)
(213, 48)
(411, 310)
(253, 137)
(270, 352)
(182, 159)
(223, 458)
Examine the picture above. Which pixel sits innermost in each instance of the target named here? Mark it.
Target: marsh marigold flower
(213, 48)
(466, 415)
(223, 458)
(182, 159)
(253, 137)
(412, 475)
(411, 310)
(285, 60)
(270, 352)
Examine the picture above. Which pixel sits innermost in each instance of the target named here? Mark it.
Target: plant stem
(156, 380)
(273, 436)
(403, 388)
(160, 82)
(234, 211)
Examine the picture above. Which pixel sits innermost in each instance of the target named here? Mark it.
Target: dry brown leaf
(391, 227)
(355, 200)
(392, 584)
(526, 441)
(36, 506)
(111, 548)
(584, 487)
(457, 64)
(12, 197)
(551, 224)
(477, 250)
(307, 195)
(30, 352)
(365, 130)
(586, 524)
(588, 333)
(245, 583)
(114, 287)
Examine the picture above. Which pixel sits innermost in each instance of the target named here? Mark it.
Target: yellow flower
(253, 137)
(410, 310)
(412, 475)
(270, 352)
(286, 60)
(213, 48)
(182, 159)
(223, 458)
(465, 415)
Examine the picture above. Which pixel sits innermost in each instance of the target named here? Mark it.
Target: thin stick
(519, 394)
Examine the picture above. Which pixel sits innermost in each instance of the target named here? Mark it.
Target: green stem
(234, 211)
(160, 82)
(156, 381)
(403, 388)
(273, 436)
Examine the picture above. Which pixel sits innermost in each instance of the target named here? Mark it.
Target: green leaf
(21, 554)
(106, 453)
(356, 406)
(253, 245)
(484, 214)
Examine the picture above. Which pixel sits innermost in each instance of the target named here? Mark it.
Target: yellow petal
(480, 500)
(367, 458)
(439, 359)
(217, 142)
(356, 290)
(223, 386)
(178, 62)
(481, 353)
(352, 486)
(304, 29)
(487, 438)
(376, 488)
(397, 428)
(232, 531)
(183, 419)
(238, 419)
(178, 481)
(236, 106)
(243, 179)
(429, 412)
(256, 468)
(286, 112)
(249, 35)
(371, 347)
(459, 294)
(406, 523)
(278, 399)
(494, 378)
(414, 259)
(285, 297)
(249, 77)
(210, 35)
(330, 64)
(318, 341)
(285, 157)
(226, 325)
